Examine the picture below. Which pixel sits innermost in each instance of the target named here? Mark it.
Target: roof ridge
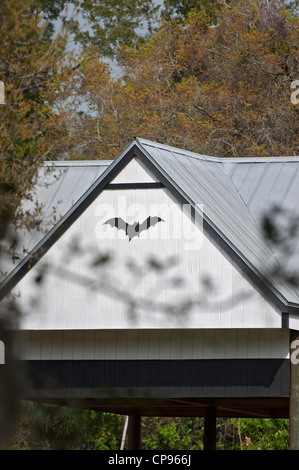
(179, 151)
(190, 153)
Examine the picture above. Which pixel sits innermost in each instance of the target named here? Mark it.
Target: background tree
(30, 59)
(115, 23)
(40, 44)
(222, 91)
(181, 9)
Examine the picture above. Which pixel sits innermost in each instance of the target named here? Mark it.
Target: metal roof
(233, 194)
(263, 185)
(58, 185)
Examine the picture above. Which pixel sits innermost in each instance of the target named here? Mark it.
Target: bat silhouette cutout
(134, 229)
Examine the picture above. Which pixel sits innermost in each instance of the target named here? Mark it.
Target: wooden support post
(294, 392)
(134, 432)
(210, 428)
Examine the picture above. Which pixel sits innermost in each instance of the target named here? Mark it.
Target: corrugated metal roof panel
(266, 185)
(199, 181)
(59, 185)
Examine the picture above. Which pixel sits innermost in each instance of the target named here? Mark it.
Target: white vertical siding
(104, 299)
(294, 322)
(135, 171)
(153, 344)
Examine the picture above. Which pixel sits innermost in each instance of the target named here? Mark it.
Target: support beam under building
(134, 432)
(210, 428)
(294, 392)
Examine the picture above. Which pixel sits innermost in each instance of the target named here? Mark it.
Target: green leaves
(113, 24)
(52, 427)
(182, 8)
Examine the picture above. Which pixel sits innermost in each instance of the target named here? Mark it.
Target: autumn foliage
(30, 60)
(219, 90)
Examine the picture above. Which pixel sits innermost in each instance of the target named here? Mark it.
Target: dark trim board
(285, 320)
(166, 379)
(134, 186)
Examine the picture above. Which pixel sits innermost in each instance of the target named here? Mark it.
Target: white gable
(171, 276)
(135, 171)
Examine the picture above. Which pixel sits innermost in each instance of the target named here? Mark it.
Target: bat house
(154, 286)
